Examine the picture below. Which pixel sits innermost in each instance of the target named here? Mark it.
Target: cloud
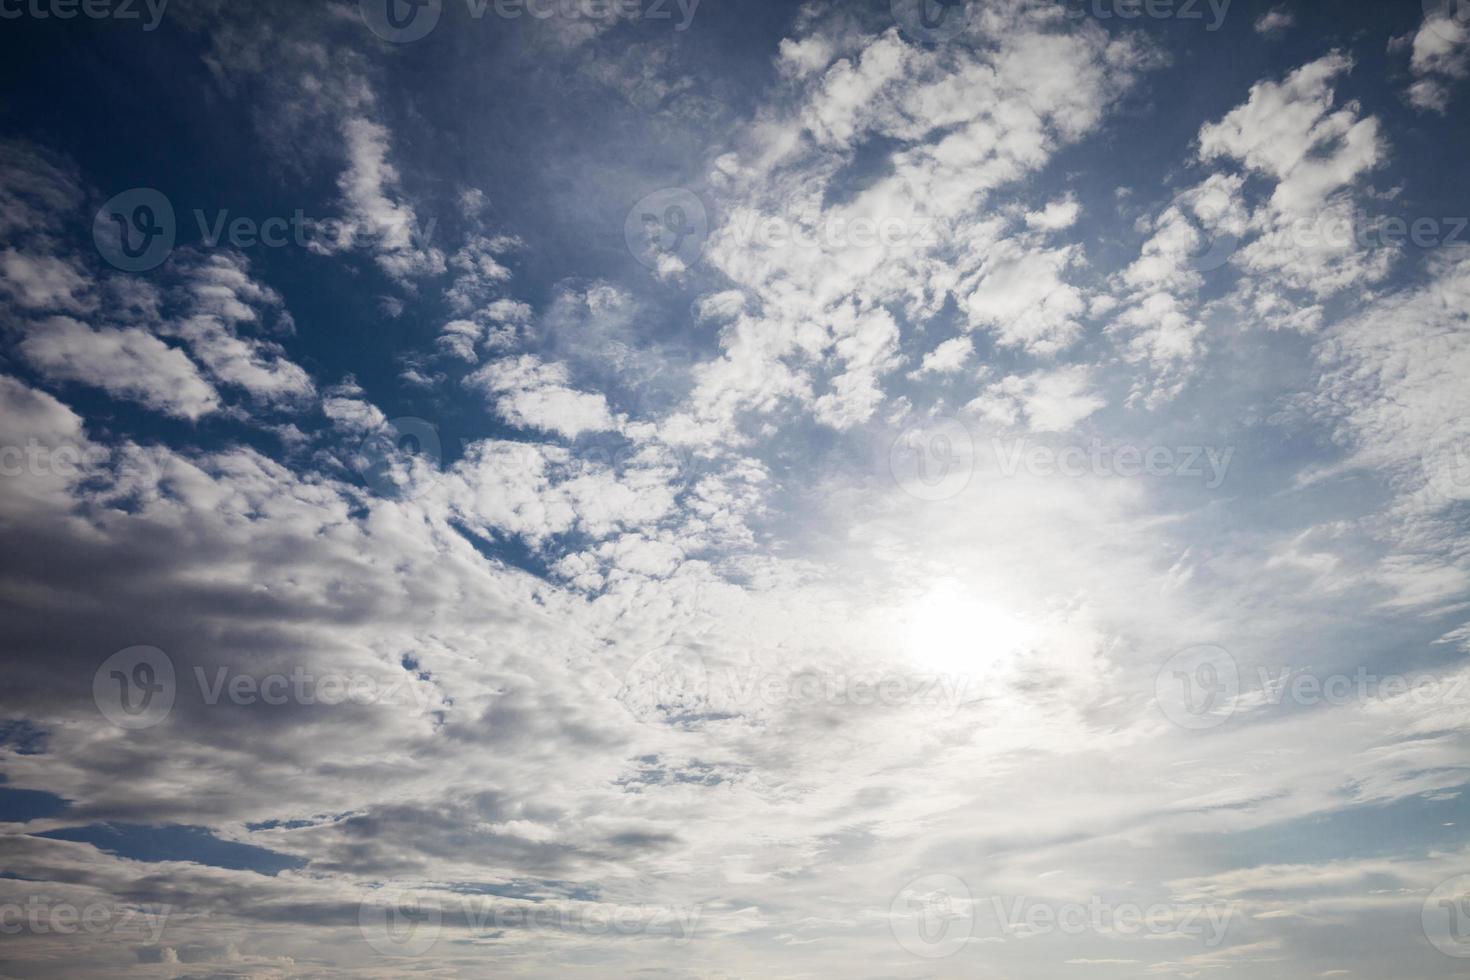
(126, 362)
(531, 394)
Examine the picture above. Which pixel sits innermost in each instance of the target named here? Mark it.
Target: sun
(954, 630)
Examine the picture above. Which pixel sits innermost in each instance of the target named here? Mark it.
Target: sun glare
(951, 629)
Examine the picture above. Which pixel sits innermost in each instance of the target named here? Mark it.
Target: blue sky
(868, 489)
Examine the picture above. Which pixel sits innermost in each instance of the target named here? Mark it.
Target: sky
(673, 489)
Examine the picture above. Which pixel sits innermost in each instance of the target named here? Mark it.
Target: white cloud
(530, 394)
(126, 362)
